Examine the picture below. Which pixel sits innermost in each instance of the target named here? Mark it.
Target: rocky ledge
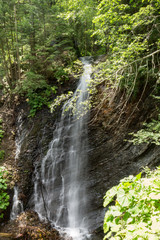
(27, 226)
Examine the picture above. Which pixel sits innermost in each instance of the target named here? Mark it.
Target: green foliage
(40, 40)
(31, 82)
(79, 111)
(1, 130)
(1, 134)
(37, 100)
(136, 210)
(59, 100)
(128, 31)
(71, 105)
(2, 154)
(4, 197)
(149, 134)
(75, 69)
(61, 74)
(78, 15)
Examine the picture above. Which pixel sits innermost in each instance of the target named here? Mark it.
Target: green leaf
(115, 211)
(108, 235)
(115, 228)
(124, 199)
(110, 194)
(138, 176)
(126, 216)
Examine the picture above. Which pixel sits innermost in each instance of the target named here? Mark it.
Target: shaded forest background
(41, 40)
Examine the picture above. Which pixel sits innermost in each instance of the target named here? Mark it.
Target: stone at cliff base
(28, 227)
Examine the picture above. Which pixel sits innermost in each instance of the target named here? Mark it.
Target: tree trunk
(6, 235)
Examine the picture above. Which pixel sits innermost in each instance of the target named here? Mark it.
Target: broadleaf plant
(135, 214)
(150, 133)
(4, 197)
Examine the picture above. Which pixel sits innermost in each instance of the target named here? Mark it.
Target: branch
(140, 59)
(6, 235)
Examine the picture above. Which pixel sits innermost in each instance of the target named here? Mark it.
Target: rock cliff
(110, 159)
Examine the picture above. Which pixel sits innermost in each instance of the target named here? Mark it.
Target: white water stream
(17, 205)
(59, 189)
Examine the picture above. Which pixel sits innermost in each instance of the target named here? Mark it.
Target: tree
(129, 33)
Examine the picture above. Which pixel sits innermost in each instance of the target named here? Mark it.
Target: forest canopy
(40, 40)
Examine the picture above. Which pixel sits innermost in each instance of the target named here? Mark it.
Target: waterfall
(59, 189)
(17, 205)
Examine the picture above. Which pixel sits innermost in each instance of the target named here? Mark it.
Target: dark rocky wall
(110, 158)
(38, 134)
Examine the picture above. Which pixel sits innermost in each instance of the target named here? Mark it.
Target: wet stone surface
(109, 160)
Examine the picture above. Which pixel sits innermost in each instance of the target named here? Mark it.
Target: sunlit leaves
(128, 32)
(150, 133)
(137, 208)
(4, 197)
(110, 194)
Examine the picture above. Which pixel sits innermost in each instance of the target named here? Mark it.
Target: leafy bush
(135, 214)
(61, 74)
(37, 100)
(4, 197)
(149, 134)
(31, 82)
(58, 101)
(128, 32)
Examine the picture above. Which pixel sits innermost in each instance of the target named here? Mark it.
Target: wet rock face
(111, 159)
(33, 140)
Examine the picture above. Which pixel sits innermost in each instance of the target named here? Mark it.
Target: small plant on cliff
(150, 133)
(135, 214)
(4, 197)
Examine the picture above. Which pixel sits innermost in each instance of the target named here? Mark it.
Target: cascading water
(17, 205)
(59, 190)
